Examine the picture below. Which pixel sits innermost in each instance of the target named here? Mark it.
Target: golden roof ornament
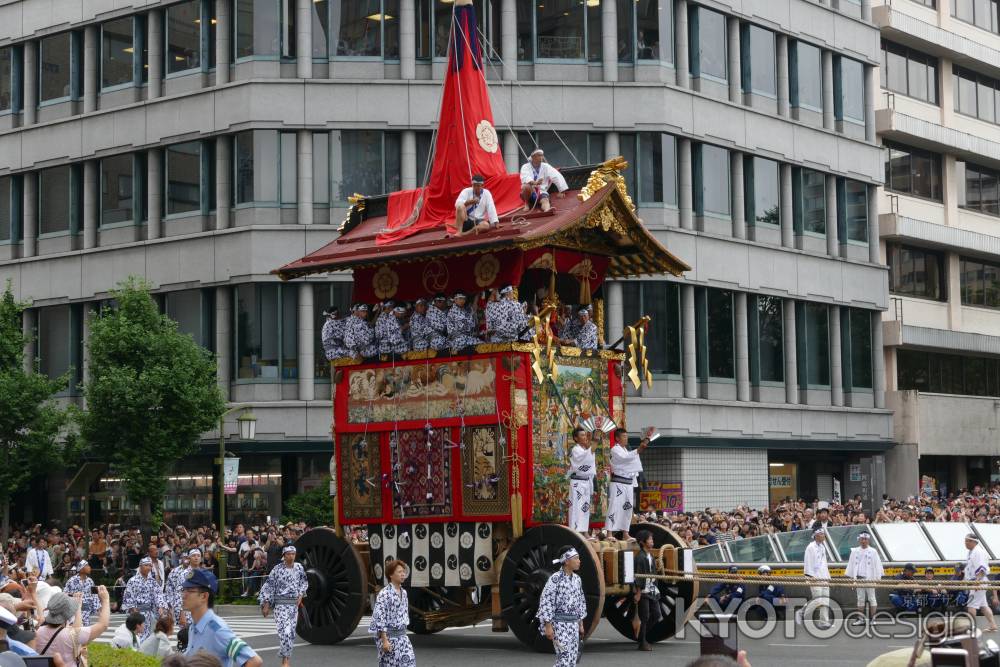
(608, 172)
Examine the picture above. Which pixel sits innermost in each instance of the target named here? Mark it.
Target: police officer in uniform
(208, 632)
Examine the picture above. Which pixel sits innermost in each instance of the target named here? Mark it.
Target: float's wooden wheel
(528, 566)
(675, 597)
(338, 587)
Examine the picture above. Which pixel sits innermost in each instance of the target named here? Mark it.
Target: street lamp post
(248, 431)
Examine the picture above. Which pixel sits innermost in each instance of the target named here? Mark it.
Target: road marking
(275, 648)
(801, 645)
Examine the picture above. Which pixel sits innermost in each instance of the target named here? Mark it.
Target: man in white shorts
(977, 568)
(865, 564)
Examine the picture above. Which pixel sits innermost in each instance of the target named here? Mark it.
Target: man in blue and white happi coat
(80, 582)
(505, 319)
(143, 594)
(283, 592)
(390, 616)
(172, 594)
(562, 609)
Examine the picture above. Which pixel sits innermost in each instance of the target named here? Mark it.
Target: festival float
(457, 464)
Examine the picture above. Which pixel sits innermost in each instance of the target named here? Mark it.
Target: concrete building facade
(201, 144)
(938, 217)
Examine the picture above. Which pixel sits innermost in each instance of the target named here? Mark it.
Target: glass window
(289, 188)
(766, 328)
(909, 72)
(561, 30)
(361, 26)
(266, 332)
(117, 189)
(54, 340)
(763, 197)
(320, 28)
(846, 537)
(852, 210)
(183, 27)
(980, 283)
(525, 35)
(849, 89)
(817, 341)
(55, 60)
(56, 194)
(650, 166)
(647, 21)
(712, 194)
(985, 92)
(442, 27)
(326, 296)
(193, 313)
(809, 192)
(567, 149)
(860, 339)
(807, 76)
(6, 78)
(758, 61)
(721, 361)
(287, 36)
(794, 544)
(916, 271)
(183, 176)
(905, 541)
(117, 52)
(708, 50)
(257, 28)
(913, 171)
(364, 161)
(256, 164)
(977, 188)
(753, 550)
(6, 206)
(661, 301)
(321, 168)
(626, 38)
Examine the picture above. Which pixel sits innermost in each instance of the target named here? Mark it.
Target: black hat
(909, 566)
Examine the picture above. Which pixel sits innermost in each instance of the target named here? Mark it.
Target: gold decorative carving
(385, 282)
(608, 172)
(486, 269)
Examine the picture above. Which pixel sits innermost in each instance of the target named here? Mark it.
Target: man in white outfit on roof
(537, 176)
(474, 208)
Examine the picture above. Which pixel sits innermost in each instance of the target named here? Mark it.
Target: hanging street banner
(230, 475)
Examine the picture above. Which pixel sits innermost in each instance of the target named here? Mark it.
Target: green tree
(152, 392)
(31, 421)
(315, 506)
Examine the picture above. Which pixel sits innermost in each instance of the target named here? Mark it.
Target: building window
(194, 312)
(289, 187)
(711, 187)
(117, 52)
(183, 31)
(59, 201)
(980, 283)
(849, 90)
(321, 168)
(325, 297)
(568, 30)
(364, 161)
(60, 343)
(714, 333)
(976, 95)
(927, 3)
(7, 78)
(434, 27)
(852, 210)
(60, 62)
(916, 272)
(806, 68)
(947, 373)
(525, 30)
(909, 72)
(118, 189)
(10, 207)
(856, 337)
(708, 43)
(649, 154)
(258, 27)
(912, 171)
(758, 61)
(809, 197)
(767, 347)
(183, 177)
(648, 45)
(565, 149)
(256, 165)
(813, 320)
(367, 28)
(977, 188)
(662, 302)
(266, 332)
(762, 190)
(981, 13)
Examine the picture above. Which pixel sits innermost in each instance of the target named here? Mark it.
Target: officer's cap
(201, 579)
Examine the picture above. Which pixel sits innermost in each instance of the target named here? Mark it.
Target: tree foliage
(151, 393)
(315, 506)
(31, 420)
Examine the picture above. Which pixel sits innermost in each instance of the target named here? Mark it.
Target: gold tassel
(633, 361)
(599, 319)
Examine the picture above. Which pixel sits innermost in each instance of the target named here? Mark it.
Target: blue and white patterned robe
(333, 339)
(391, 613)
(461, 328)
(421, 333)
(91, 602)
(562, 598)
(172, 592)
(389, 334)
(586, 336)
(505, 320)
(281, 591)
(359, 339)
(437, 319)
(144, 594)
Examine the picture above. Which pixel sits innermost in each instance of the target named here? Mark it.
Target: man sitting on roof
(537, 176)
(474, 208)
(359, 339)
(505, 318)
